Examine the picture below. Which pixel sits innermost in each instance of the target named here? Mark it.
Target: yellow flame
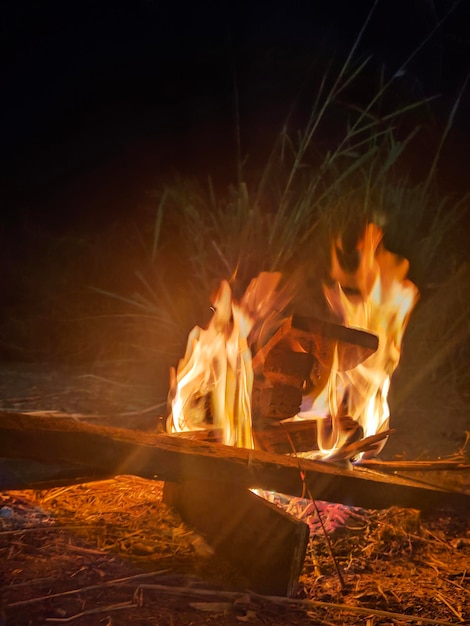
(378, 299)
(214, 381)
(217, 366)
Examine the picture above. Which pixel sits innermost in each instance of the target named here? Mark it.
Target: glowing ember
(214, 381)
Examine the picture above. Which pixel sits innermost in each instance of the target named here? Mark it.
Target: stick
(72, 592)
(233, 595)
(113, 451)
(418, 466)
(99, 609)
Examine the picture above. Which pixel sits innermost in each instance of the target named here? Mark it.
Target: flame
(375, 297)
(213, 383)
(217, 365)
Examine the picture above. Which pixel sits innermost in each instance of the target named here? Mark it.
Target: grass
(314, 185)
(143, 287)
(284, 219)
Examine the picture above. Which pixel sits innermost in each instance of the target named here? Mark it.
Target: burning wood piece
(217, 368)
(298, 357)
(299, 435)
(274, 403)
(265, 544)
(319, 338)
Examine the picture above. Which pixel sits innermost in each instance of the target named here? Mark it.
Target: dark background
(102, 100)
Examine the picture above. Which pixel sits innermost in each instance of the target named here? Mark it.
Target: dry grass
(112, 547)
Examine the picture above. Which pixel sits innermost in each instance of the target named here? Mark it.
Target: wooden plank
(112, 451)
(418, 466)
(264, 544)
(284, 365)
(19, 474)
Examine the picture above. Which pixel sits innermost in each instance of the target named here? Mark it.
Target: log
(299, 436)
(277, 402)
(297, 360)
(284, 365)
(105, 451)
(319, 338)
(265, 545)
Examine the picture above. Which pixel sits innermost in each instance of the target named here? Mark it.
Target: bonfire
(215, 381)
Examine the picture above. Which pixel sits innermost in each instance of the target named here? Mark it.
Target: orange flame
(377, 298)
(213, 382)
(217, 365)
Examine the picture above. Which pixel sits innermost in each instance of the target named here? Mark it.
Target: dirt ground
(112, 553)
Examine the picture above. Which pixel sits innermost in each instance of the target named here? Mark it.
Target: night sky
(103, 100)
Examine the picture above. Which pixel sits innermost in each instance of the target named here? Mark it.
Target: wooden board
(102, 451)
(264, 544)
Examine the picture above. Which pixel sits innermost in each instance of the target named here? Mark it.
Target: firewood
(319, 338)
(418, 466)
(286, 366)
(264, 544)
(298, 360)
(105, 451)
(274, 402)
(299, 435)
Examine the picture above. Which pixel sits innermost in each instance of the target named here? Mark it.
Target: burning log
(417, 466)
(299, 356)
(318, 338)
(105, 451)
(300, 436)
(266, 545)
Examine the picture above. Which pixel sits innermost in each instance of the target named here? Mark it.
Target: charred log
(300, 436)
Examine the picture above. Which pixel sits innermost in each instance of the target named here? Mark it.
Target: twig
(448, 604)
(452, 582)
(81, 550)
(320, 519)
(234, 595)
(24, 531)
(35, 581)
(367, 611)
(411, 466)
(366, 444)
(99, 609)
(71, 592)
(339, 573)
